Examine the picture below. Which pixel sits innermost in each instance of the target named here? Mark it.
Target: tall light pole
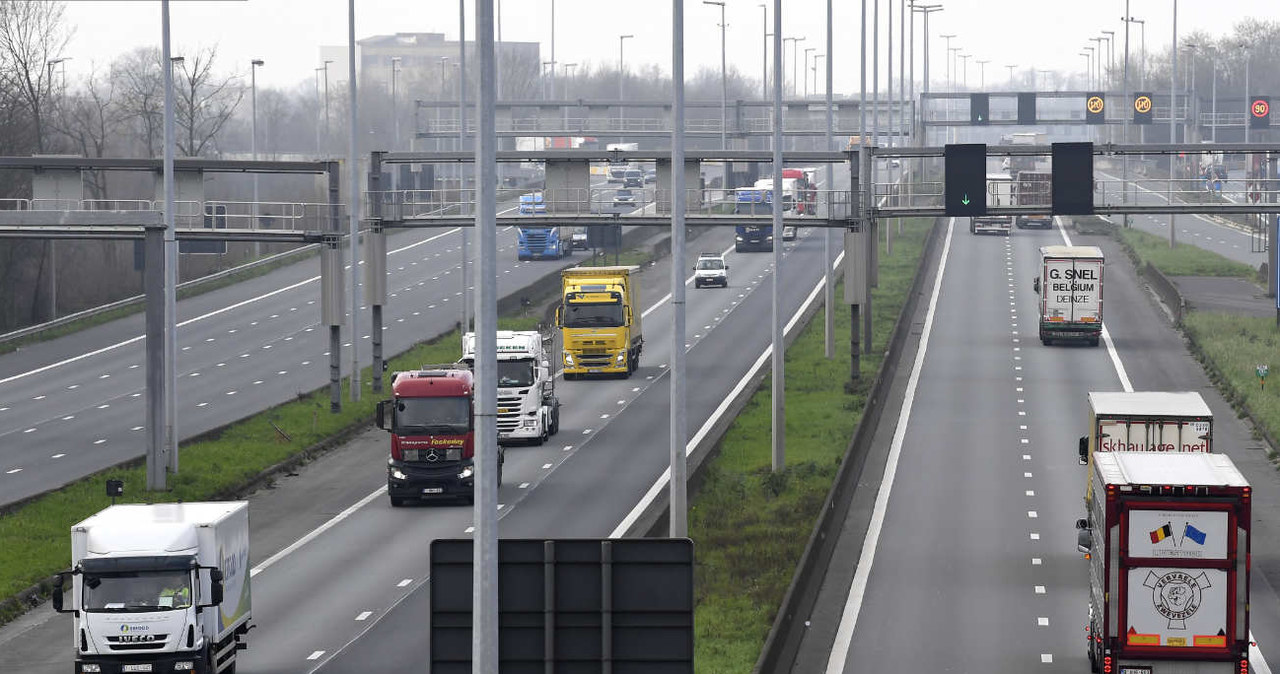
(1213, 105)
(1093, 59)
(1011, 69)
(253, 144)
(926, 10)
(1142, 59)
(964, 72)
(805, 70)
(953, 69)
(724, 83)
(163, 412)
(462, 147)
(948, 39)
(828, 288)
(1088, 70)
(679, 509)
(1173, 126)
(621, 76)
(395, 111)
(795, 45)
(764, 55)
(319, 105)
(1247, 47)
(326, 102)
(814, 70)
(553, 49)
(53, 248)
(982, 74)
(1111, 52)
(353, 206)
(1099, 52)
(778, 417)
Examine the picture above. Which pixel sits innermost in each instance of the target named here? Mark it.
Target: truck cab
(540, 243)
(528, 409)
(757, 238)
(432, 424)
(159, 588)
(599, 319)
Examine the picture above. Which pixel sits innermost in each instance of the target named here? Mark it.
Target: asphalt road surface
(959, 555)
(326, 602)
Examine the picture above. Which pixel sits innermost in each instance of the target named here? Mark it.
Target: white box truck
(1070, 291)
(1167, 542)
(159, 588)
(528, 409)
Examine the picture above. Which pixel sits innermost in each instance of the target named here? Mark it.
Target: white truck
(1147, 421)
(528, 409)
(159, 588)
(1000, 192)
(1070, 290)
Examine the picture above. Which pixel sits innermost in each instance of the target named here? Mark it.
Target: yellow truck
(599, 320)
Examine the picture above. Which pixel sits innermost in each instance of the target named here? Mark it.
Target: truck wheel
(973, 229)
(555, 420)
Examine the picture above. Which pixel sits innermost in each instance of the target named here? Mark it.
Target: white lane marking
(310, 536)
(661, 483)
(1035, 535)
(1042, 622)
(546, 466)
(364, 615)
(469, 530)
(11, 472)
(30, 430)
(404, 583)
(1256, 660)
(1031, 492)
(1032, 514)
(57, 456)
(99, 441)
(524, 485)
(315, 655)
(1046, 658)
(1040, 589)
(1036, 561)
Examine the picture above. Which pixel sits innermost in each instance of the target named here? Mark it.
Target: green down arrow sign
(965, 200)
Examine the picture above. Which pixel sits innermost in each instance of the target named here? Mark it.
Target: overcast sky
(1048, 34)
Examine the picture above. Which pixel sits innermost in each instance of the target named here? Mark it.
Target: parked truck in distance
(528, 409)
(1035, 188)
(1070, 291)
(999, 193)
(599, 320)
(1168, 544)
(159, 588)
(541, 243)
(432, 423)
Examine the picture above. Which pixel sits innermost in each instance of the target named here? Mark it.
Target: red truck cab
(432, 424)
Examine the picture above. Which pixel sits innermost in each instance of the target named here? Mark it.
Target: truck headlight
(466, 473)
(90, 667)
(529, 423)
(622, 356)
(397, 475)
(770, 237)
(568, 359)
(184, 666)
(737, 238)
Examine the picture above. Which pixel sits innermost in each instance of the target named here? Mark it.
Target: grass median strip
(1184, 260)
(750, 525)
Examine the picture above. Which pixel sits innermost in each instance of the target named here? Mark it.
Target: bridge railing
(188, 214)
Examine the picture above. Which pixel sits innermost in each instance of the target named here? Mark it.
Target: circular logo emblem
(1176, 595)
(1094, 104)
(1260, 108)
(432, 456)
(1142, 104)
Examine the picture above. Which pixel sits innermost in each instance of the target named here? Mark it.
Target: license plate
(594, 370)
(146, 667)
(440, 490)
(1135, 670)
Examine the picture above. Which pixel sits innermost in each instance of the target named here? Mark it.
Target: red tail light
(1244, 666)
(1106, 665)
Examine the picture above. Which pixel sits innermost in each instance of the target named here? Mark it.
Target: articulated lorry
(1168, 541)
(599, 319)
(528, 409)
(541, 243)
(1070, 290)
(1147, 421)
(432, 423)
(1034, 188)
(159, 588)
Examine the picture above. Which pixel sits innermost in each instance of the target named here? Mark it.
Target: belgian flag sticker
(1162, 533)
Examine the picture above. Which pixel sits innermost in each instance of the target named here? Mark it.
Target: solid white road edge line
(189, 321)
(663, 479)
(1256, 659)
(858, 588)
(317, 531)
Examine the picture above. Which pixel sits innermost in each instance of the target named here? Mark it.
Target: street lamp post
(53, 247)
(319, 103)
(926, 51)
(1093, 59)
(982, 73)
(395, 112)
(1011, 69)
(621, 76)
(953, 69)
(814, 70)
(326, 101)
(964, 58)
(764, 56)
(926, 10)
(1097, 61)
(795, 44)
(1088, 70)
(805, 70)
(1111, 52)
(724, 82)
(253, 145)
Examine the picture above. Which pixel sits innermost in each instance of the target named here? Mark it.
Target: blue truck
(753, 238)
(541, 243)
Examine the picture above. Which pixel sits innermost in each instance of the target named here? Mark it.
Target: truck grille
(154, 642)
(537, 240)
(508, 413)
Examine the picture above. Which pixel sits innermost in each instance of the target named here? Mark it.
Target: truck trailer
(1147, 421)
(1070, 290)
(528, 409)
(1035, 188)
(159, 588)
(599, 319)
(1000, 191)
(1167, 542)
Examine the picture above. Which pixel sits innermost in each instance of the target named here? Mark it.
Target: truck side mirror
(57, 594)
(1035, 284)
(560, 316)
(628, 315)
(215, 586)
(1084, 450)
(1082, 524)
(1084, 541)
(381, 414)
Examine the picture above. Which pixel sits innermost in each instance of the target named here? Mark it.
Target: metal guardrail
(138, 299)
(276, 215)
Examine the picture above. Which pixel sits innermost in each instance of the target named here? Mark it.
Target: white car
(711, 271)
(624, 197)
(788, 233)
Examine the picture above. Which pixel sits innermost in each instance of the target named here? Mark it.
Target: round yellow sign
(1142, 104)
(1094, 104)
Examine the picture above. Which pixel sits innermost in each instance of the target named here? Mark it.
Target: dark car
(633, 178)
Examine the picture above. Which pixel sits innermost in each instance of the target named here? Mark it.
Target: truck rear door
(1072, 291)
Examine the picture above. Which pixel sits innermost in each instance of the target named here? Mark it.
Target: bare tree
(89, 118)
(136, 76)
(205, 101)
(32, 34)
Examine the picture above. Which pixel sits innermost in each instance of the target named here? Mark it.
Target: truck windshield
(433, 415)
(137, 591)
(515, 373)
(593, 315)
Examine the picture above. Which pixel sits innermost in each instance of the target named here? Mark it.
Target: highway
(368, 562)
(74, 405)
(959, 555)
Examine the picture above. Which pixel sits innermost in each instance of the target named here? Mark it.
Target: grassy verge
(1184, 260)
(750, 525)
(108, 316)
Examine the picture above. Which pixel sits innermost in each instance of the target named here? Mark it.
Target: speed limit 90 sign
(1259, 112)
